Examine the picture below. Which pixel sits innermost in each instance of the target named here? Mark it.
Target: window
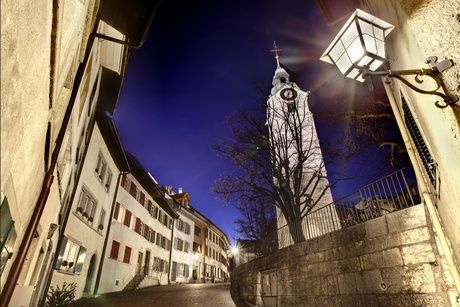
(127, 255)
(156, 264)
(424, 153)
(196, 247)
(197, 231)
(186, 246)
(159, 239)
(127, 219)
(187, 228)
(142, 199)
(86, 206)
(116, 211)
(155, 212)
(7, 233)
(152, 235)
(101, 167)
(114, 250)
(165, 266)
(100, 227)
(108, 180)
(133, 190)
(137, 227)
(71, 257)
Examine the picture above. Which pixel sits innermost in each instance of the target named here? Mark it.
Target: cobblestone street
(212, 295)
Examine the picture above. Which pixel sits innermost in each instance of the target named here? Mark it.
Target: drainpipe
(170, 252)
(109, 224)
(16, 267)
(423, 187)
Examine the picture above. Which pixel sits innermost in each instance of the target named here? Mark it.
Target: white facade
(287, 98)
(80, 253)
(139, 241)
(182, 258)
(216, 258)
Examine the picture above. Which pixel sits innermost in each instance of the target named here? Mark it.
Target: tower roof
(281, 76)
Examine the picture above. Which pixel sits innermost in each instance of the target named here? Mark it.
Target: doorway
(147, 263)
(89, 275)
(139, 263)
(174, 271)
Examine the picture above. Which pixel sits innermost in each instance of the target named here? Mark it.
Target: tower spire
(275, 50)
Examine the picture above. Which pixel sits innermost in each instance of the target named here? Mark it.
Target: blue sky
(197, 66)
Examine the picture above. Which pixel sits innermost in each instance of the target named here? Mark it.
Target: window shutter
(61, 253)
(133, 190)
(137, 228)
(127, 220)
(127, 256)
(116, 212)
(114, 250)
(142, 199)
(80, 260)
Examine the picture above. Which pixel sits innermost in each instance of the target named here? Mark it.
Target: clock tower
(293, 133)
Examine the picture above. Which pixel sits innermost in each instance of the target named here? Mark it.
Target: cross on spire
(275, 50)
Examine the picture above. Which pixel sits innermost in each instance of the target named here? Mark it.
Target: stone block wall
(389, 261)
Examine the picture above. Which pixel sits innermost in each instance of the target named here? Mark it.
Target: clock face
(288, 94)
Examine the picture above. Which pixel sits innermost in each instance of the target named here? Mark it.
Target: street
(213, 295)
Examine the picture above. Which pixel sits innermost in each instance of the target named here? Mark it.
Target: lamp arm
(433, 73)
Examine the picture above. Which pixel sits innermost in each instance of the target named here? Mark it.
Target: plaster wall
(78, 229)
(115, 273)
(182, 256)
(389, 261)
(423, 29)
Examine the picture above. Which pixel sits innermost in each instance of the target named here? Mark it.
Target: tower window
(283, 80)
(291, 106)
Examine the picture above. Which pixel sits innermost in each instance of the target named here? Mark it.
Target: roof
(109, 89)
(210, 222)
(134, 21)
(139, 172)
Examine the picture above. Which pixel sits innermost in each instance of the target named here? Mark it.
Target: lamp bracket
(434, 72)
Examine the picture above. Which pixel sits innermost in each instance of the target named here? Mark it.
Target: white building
(80, 254)
(216, 259)
(138, 249)
(182, 259)
(288, 99)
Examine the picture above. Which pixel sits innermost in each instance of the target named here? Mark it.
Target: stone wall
(389, 261)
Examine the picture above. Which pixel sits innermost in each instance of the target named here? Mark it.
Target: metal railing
(391, 193)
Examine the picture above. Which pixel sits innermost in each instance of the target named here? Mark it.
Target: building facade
(139, 244)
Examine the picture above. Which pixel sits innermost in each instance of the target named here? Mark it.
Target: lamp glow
(359, 45)
(235, 250)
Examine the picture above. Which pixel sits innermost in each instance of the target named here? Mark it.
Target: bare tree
(279, 160)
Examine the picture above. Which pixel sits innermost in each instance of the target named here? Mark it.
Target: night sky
(199, 65)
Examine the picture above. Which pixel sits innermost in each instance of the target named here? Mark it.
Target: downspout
(16, 267)
(424, 189)
(109, 224)
(170, 252)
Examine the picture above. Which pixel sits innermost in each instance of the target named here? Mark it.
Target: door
(269, 288)
(139, 263)
(147, 263)
(89, 275)
(174, 271)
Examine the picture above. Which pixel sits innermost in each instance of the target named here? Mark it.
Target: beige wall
(423, 29)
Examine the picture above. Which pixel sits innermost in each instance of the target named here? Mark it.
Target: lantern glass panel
(369, 42)
(337, 51)
(343, 63)
(366, 28)
(349, 35)
(353, 73)
(380, 48)
(355, 50)
(366, 60)
(378, 33)
(376, 64)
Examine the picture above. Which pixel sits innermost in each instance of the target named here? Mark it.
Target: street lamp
(358, 51)
(235, 250)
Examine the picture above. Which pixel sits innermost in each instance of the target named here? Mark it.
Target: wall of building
(389, 261)
(116, 274)
(423, 29)
(183, 257)
(79, 229)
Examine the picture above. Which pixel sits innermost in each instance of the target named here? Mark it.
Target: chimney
(180, 190)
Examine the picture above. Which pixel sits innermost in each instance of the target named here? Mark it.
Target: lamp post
(359, 51)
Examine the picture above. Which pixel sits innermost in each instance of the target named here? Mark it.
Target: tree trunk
(296, 230)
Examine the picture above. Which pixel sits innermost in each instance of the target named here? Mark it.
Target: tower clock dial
(288, 94)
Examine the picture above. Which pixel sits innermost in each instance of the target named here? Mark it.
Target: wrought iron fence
(388, 194)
